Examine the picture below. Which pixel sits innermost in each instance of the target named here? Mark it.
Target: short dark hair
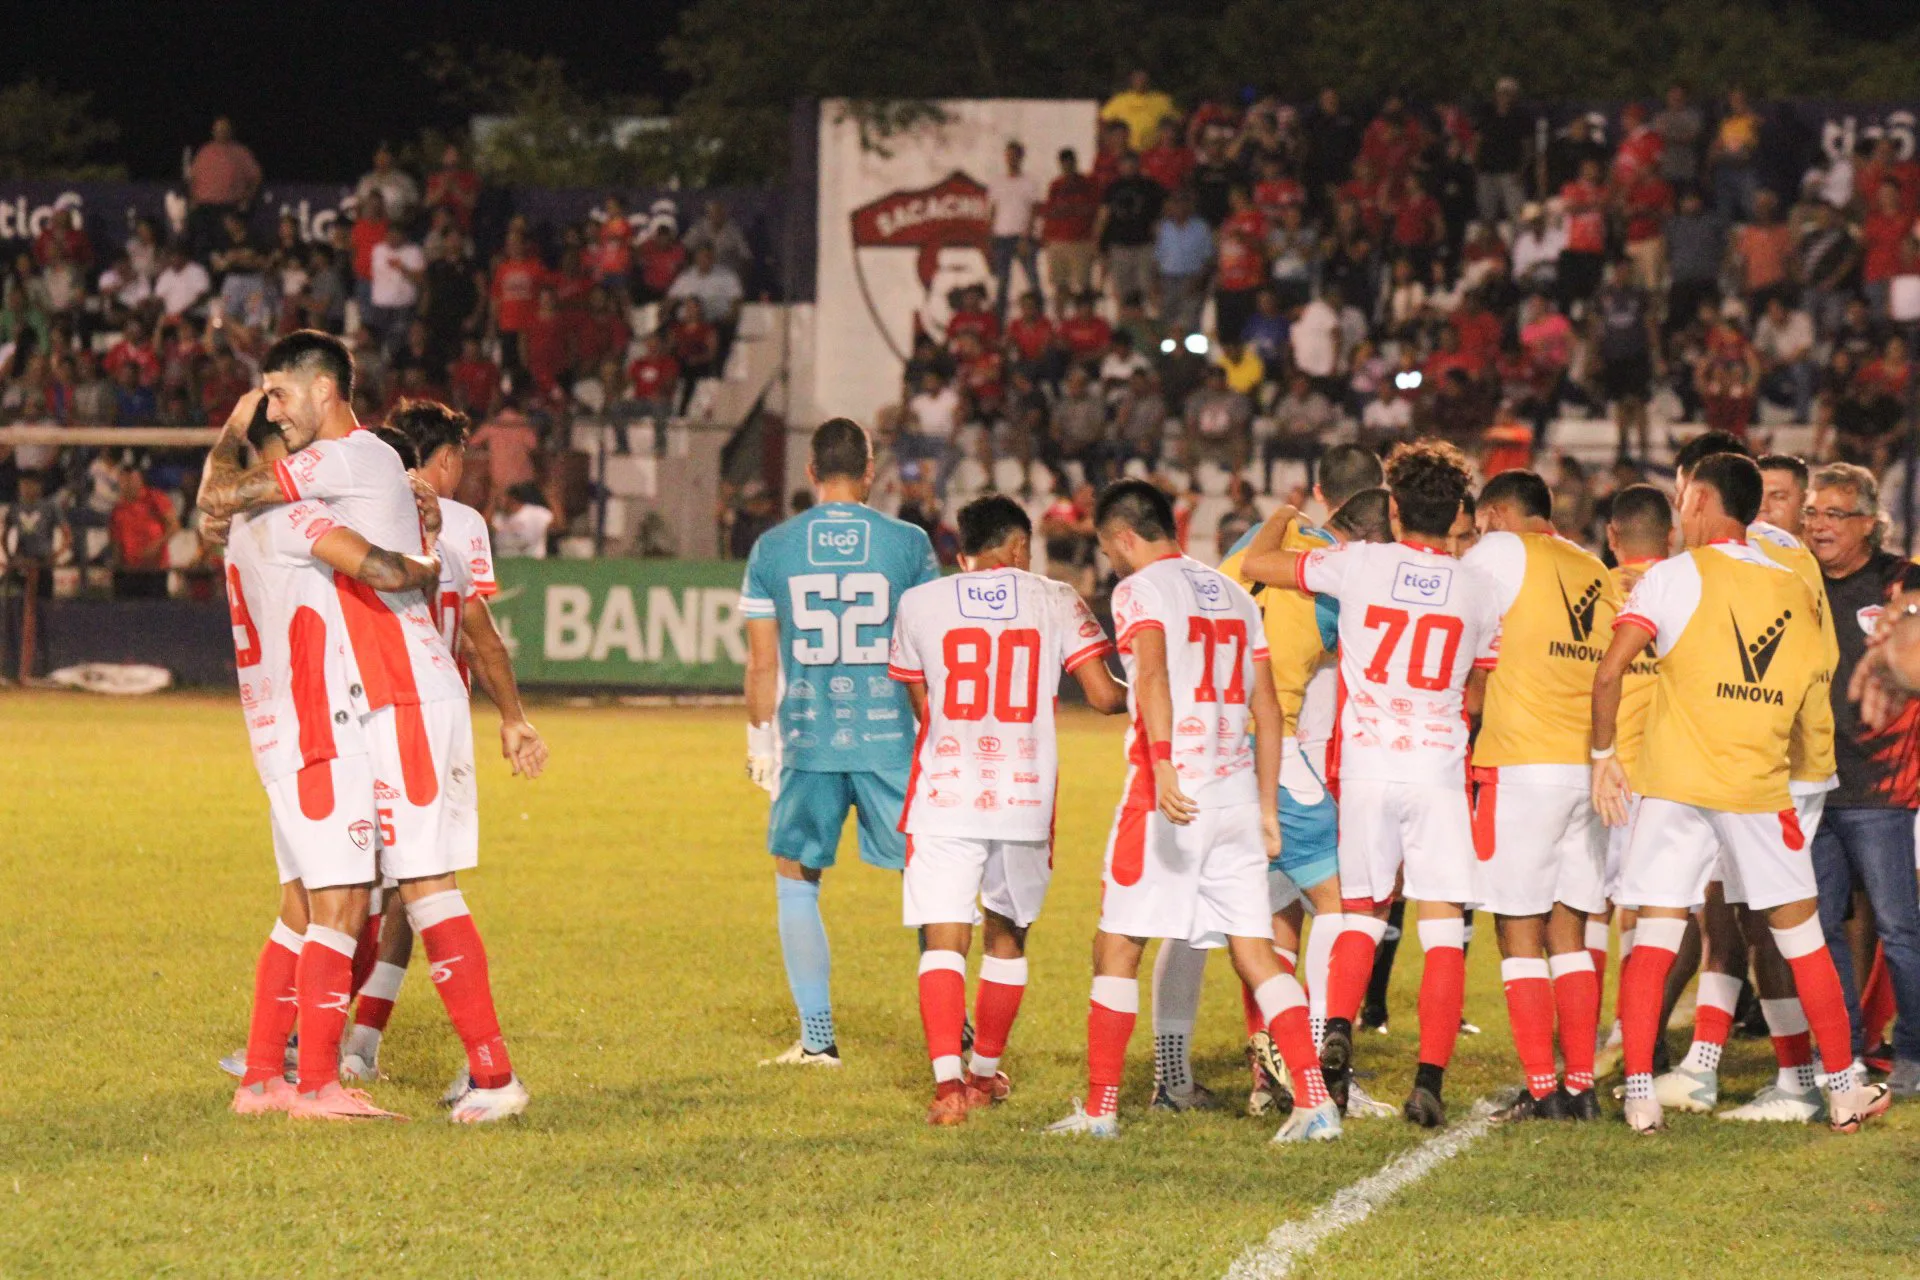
(1642, 512)
(262, 428)
(430, 426)
(1522, 489)
(1428, 480)
(989, 521)
(1364, 516)
(1138, 505)
(841, 450)
(1345, 470)
(397, 440)
(310, 351)
(1736, 479)
(1705, 445)
(1797, 467)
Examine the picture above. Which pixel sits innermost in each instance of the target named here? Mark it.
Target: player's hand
(1610, 791)
(763, 756)
(1270, 833)
(243, 409)
(214, 529)
(428, 504)
(523, 748)
(1175, 807)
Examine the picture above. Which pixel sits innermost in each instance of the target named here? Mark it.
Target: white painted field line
(1289, 1242)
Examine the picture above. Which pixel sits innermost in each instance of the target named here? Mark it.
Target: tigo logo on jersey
(994, 601)
(1428, 584)
(1209, 589)
(947, 747)
(834, 544)
(1755, 657)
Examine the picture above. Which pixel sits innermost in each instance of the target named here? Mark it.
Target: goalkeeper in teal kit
(827, 730)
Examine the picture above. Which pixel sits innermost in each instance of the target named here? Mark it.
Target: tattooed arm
(227, 484)
(344, 551)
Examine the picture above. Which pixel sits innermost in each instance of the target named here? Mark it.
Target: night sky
(312, 86)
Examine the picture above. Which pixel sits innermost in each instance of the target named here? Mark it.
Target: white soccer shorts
(1807, 809)
(1617, 839)
(1204, 882)
(947, 875)
(1676, 849)
(426, 798)
(1426, 830)
(1537, 844)
(324, 829)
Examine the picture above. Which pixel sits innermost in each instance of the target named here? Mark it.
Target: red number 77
(1211, 632)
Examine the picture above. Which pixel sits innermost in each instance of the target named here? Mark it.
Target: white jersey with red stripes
(990, 647)
(300, 689)
(466, 571)
(1215, 639)
(399, 648)
(1414, 622)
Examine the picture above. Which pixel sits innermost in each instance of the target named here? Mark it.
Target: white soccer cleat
(1774, 1105)
(1643, 1115)
(1685, 1089)
(1080, 1124)
(483, 1106)
(1847, 1111)
(461, 1086)
(798, 1055)
(1363, 1106)
(1311, 1124)
(1260, 1102)
(360, 1056)
(235, 1064)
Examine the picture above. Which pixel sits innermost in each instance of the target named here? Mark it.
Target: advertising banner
(905, 222)
(633, 624)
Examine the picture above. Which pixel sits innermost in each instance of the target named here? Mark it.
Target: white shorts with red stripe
(1423, 828)
(424, 788)
(1537, 842)
(947, 875)
(1204, 882)
(1807, 810)
(1675, 849)
(324, 826)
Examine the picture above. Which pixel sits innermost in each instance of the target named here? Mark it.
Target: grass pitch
(628, 910)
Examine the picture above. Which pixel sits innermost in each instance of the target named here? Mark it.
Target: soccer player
(1732, 938)
(1417, 637)
(1542, 849)
(819, 598)
(302, 699)
(431, 441)
(1301, 638)
(419, 723)
(980, 655)
(1199, 818)
(1740, 654)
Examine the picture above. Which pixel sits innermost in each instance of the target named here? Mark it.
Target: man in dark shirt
(1866, 838)
(1333, 140)
(1502, 143)
(1129, 211)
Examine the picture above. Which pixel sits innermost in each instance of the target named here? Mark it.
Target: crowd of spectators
(1236, 285)
(165, 329)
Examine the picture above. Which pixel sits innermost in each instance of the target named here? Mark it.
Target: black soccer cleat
(1424, 1108)
(966, 1034)
(1583, 1105)
(1528, 1107)
(1336, 1060)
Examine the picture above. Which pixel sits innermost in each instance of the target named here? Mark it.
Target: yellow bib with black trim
(1811, 753)
(1539, 707)
(1636, 698)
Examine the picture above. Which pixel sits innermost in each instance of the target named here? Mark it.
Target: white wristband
(1603, 755)
(761, 739)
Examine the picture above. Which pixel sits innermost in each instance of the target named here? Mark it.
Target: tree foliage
(749, 60)
(48, 134)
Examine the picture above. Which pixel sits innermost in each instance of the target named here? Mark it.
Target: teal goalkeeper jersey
(832, 577)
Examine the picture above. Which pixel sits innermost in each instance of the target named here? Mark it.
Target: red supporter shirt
(613, 250)
(1243, 258)
(653, 377)
(982, 324)
(1586, 217)
(1031, 338)
(544, 349)
(476, 382)
(516, 292)
(455, 189)
(1881, 235)
(1273, 195)
(1073, 201)
(1649, 203)
(660, 262)
(123, 352)
(139, 529)
(694, 342)
(367, 233)
(1479, 337)
(1086, 335)
(1413, 221)
(1168, 166)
